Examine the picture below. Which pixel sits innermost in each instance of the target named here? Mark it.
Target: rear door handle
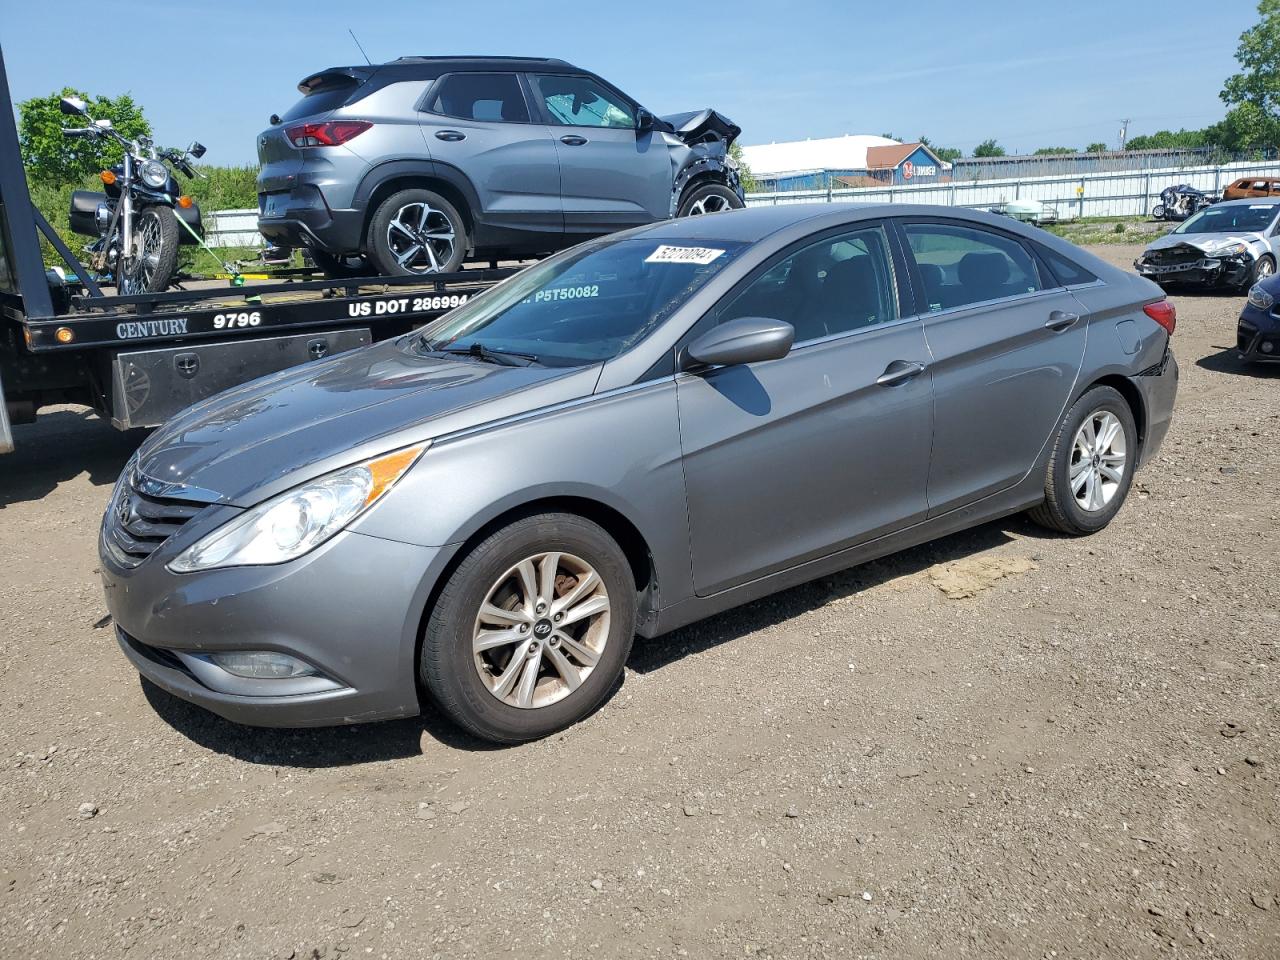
(900, 371)
(1061, 320)
(573, 140)
(452, 136)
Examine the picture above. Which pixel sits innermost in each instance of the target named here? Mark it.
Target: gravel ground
(1004, 743)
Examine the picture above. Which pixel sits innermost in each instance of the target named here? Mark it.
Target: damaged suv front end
(700, 150)
(1231, 244)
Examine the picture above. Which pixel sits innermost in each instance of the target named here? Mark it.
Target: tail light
(331, 133)
(1163, 313)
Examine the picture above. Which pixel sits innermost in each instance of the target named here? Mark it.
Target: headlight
(1231, 250)
(154, 174)
(1260, 298)
(285, 527)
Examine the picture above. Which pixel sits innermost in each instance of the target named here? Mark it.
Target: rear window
(328, 95)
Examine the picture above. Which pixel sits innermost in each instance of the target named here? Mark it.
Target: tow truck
(137, 360)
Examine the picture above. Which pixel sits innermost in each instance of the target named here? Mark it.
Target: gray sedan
(637, 433)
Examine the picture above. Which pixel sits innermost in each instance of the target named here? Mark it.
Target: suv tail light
(331, 133)
(1163, 313)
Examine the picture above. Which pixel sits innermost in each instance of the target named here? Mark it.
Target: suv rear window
(328, 94)
(494, 97)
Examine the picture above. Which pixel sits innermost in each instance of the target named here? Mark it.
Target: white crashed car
(1230, 244)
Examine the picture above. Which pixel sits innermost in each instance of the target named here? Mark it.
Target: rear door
(612, 175)
(1007, 347)
(481, 124)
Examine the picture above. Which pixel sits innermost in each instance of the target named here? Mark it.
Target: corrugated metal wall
(1089, 195)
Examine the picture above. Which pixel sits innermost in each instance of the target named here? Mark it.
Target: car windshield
(588, 304)
(1250, 218)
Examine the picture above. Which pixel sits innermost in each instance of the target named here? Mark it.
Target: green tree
(1096, 148)
(1167, 140)
(1055, 151)
(52, 158)
(945, 154)
(1245, 127)
(1258, 82)
(749, 184)
(988, 148)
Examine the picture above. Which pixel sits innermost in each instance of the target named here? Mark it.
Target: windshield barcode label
(699, 255)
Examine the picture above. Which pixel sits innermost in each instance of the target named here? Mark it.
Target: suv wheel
(708, 198)
(416, 232)
(531, 631)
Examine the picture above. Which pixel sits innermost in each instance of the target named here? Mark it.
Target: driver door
(612, 176)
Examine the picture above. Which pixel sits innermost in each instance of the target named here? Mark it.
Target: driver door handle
(900, 371)
(1061, 320)
(573, 140)
(452, 136)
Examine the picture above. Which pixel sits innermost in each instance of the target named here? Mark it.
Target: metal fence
(1129, 194)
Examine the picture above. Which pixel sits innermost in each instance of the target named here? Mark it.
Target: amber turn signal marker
(387, 470)
(64, 335)
(184, 202)
(108, 177)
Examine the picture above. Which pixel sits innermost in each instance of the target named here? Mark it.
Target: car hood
(1204, 241)
(703, 126)
(259, 439)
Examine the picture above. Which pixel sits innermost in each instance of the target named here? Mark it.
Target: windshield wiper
(479, 351)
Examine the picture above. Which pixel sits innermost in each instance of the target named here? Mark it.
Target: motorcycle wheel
(155, 237)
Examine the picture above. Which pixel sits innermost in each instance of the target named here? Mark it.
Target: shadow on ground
(371, 743)
(61, 445)
(1227, 360)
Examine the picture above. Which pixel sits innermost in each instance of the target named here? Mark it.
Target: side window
(838, 284)
(494, 97)
(1067, 272)
(962, 265)
(581, 102)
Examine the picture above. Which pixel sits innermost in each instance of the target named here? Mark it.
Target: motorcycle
(1180, 202)
(135, 221)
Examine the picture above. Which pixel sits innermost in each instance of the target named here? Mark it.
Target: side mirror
(744, 340)
(196, 149)
(103, 124)
(644, 120)
(72, 106)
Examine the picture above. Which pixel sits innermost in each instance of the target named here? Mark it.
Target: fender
(418, 167)
(715, 168)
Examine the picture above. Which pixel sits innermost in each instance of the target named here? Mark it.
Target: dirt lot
(1003, 744)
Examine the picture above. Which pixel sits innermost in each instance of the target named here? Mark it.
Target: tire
(340, 267)
(487, 705)
(708, 198)
(1263, 267)
(1063, 509)
(440, 248)
(1157, 212)
(156, 234)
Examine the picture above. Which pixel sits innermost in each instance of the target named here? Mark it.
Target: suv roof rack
(480, 57)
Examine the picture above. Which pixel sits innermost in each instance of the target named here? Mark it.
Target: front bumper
(1206, 272)
(1258, 335)
(352, 609)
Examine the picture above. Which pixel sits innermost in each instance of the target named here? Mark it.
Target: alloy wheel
(421, 238)
(712, 203)
(1265, 269)
(541, 630)
(1099, 457)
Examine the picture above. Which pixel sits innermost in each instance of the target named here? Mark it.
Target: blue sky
(1028, 74)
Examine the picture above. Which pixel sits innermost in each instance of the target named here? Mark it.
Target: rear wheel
(1094, 455)
(1157, 212)
(416, 232)
(532, 630)
(708, 198)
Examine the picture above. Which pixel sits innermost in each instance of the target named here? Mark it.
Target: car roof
(1249, 202)
(752, 224)
(474, 63)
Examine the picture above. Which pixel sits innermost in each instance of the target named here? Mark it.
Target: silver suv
(409, 167)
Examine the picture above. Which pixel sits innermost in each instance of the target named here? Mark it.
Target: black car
(1258, 333)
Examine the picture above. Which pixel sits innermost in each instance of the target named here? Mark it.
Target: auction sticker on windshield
(668, 254)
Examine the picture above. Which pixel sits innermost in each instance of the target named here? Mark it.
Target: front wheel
(708, 198)
(416, 232)
(1263, 267)
(1091, 468)
(532, 630)
(154, 258)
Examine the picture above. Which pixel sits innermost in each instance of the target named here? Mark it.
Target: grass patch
(1095, 230)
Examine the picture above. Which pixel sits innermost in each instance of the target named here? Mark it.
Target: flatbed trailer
(137, 360)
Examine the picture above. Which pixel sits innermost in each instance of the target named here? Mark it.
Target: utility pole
(1124, 133)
